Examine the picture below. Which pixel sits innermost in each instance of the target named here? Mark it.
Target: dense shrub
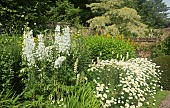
(125, 84)
(107, 48)
(10, 48)
(161, 49)
(164, 62)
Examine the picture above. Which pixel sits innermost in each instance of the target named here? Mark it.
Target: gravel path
(165, 103)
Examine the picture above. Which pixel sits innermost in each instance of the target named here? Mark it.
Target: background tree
(153, 12)
(14, 14)
(115, 18)
(65, 11)
(86, 12)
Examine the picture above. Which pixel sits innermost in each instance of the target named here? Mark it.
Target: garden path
(165, 103)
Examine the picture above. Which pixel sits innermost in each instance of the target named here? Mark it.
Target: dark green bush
(107, 48)
(10, 59)
(164, 62)
(161, 49)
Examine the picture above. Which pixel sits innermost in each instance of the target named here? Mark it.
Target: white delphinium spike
(61, 46)
(62, 43)
(59, 61)
(48, 53)
(65, 44)
(28, 48)
(40, 51)
(57, 37)
(121, 56)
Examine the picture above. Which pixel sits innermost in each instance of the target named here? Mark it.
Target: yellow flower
(35, 39)
(108, 36)
(122, 37)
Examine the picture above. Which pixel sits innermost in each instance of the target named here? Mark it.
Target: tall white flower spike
(28, 47)
(40, 51)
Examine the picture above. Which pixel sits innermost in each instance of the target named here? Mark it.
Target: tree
(115, 18)
(64, 11)
(15, 14)
(153, 12)
(85, 13)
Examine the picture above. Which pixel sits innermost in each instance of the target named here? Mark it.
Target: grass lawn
(160, 96)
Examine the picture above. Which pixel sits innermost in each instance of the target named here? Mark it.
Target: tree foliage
(122, 16)
(64, 11)
(85, 13)
(115, 18)
(15, 14)
(153, 12)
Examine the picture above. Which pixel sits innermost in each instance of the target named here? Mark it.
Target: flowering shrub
(125, 84)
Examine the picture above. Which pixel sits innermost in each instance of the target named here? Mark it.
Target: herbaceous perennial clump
(31, 52)
(125, 84)
(42, 62)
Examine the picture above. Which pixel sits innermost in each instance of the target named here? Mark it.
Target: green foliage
(82, 96)
(8, 99)
(10, 59)
(115, 18)
(161, 49)
(161, 95)
(107, 48)
(40, 14)
(64, 11)
(164, 63)
(153, 12)
(85, 13)
(81, 51)
(15, 14)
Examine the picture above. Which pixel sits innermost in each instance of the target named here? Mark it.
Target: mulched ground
(165, 103)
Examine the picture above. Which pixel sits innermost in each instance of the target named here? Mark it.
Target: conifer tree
(154, 12)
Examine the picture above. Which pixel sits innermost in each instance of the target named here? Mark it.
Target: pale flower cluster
(28, 47)
(62, 42)
(136, 80)
(59, 61)
(40, 52)
(102, 92)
